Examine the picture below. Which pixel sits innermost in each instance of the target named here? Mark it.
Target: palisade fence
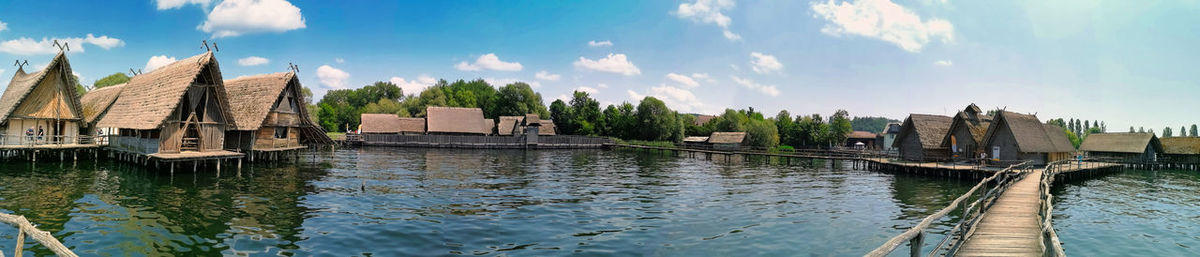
(466, 141)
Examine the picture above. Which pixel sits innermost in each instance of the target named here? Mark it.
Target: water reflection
(1134, 212)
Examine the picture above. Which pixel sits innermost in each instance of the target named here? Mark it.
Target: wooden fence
(457, 141)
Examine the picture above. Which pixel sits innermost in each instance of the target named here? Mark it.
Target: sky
(1128, 63)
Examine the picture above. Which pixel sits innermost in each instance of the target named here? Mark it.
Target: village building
(176, 113)
(861, 140)
(454, 121)
(270, 116)
(702, 119)
(727, 140)
(94, 105)
(509, 125)
(489, 125)
(920, 138)
(42, 109)
(530, 121)
(966, 132)
(888, 136)
(377, 123)
(1181, 150)
(1123, 147)
(1015, 137)
(695, 142)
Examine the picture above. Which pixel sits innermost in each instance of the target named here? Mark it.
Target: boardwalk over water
(1011, 227)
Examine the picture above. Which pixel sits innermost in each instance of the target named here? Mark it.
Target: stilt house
(727, 140)
(921, 136)
(270, 116)
(509, 125)
(1015, 137)
(178, 112)
(889, 135)
(454, 121)
(966, 132)
(96, 104)
(376, 123)
(1181, 150)
(1123, 147)
(42, 108)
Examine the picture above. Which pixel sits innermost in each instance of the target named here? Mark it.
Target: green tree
(114, 79)
(519, 99)
(1166, 132)
(839, 127)
(585, 114)
(657, 122)
(386, 106)
(622, 121)
(1193, 131)
(561, 114)
(1075, 140)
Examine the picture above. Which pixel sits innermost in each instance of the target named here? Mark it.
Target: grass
(645, 143)
(336, 135)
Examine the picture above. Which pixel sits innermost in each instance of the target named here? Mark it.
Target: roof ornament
(205, 42)
(294, 68)
(135, 73)
(62, 47)
(215, 48)
(21, 64)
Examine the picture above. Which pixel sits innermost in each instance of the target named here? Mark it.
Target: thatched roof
(251, 97)
(701, 119)
(1180, 145)
(22, 84)
(547, 128)
(1031, 134)
(530, 119)
(489, 125)
(892, 128)
(930, 129)
(726, 137)
(382, 123)
(454, 120)
(508, 125)
(976, 123)
(860, 135)
(695, 139)
(150, 98)
(97, 102)
(1120, 143)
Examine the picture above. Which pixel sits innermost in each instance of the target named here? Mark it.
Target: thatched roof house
(547, 128)
(867, 139)
(1019, 137)
(727, 138)
(376, 123)
(1126, 147)
(702, 119)
(1181, 145)
(489, 125)
(921, 136)
(509, 125)
(454, 121)
(179, 107)
(97, 102)
(889, 135)
(270, 114)
(44, 101)
(966, 132)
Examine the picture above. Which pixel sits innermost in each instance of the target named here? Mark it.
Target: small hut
(966, 132)
(41, 109)
(95, 104)
(375, 123)
(489, 126)
(454, 121)
(920, 137)
(1016, 137)
(1181, 150)
(547, 128)
(1123, 147)
(695, 142)
(727, 140)
(861, 140)
(178, 112)
(509, 125)
(270, 116)
(889, 136)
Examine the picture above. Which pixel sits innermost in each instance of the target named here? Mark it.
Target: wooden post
(20, 242)
(916, 243)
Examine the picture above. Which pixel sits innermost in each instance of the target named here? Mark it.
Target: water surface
(1130, 213)
(437, 202)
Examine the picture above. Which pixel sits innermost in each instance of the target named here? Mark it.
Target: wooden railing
(276, 143)
(1051, 246)
(971, 214)
(24, 140)
(42, 237)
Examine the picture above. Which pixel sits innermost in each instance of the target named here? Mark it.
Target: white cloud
(172, 4)
(252, 61)
(331, 77)
(604, 43)
(156, 62)
(883, 20)
(735, 67)
(490, 62)
(28, 46)
(602, 85)
(704, 77)
(3, 26)
(765, 89)
(414, 86)
(615, 63)
(495, 82)
(675, 98)
(239, 17)
(544, 75)
(763, 63)
(709, 12)
(339, 60)
(943, 63)
(588, 90)
(683, 80)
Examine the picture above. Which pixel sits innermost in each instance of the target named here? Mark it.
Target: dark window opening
(281, 132)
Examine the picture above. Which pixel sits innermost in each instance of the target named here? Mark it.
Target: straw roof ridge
(1180, 145)
(96, 103)
(22, 84)
(547, 128)
(454, 120)
(726, 137)
(251, 97)
(1120, 142)
(508, 125)
(160, 92)
(930, 129)
(860, 134)
(977, 126)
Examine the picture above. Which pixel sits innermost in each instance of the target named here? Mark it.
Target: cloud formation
(882, 20)
(604, 43)
(709, 12)
(172, 4)
(252, 61)
(414, 86)
(750, 84)
(675, 98)
(683, 80)
(156, 62)
(545, 75)
(239, 17)
(28, 46)
(614, 63)
(944, 63)
(331, 77)
(764, 63)
(489, 62)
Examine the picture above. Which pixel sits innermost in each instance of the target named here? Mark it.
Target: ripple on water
(1146, 213)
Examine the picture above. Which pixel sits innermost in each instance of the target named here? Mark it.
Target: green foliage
(581, 117)
(1193, 130)
(1166, 132)
(839, 127)
(339, 110)
(518, 99)
(1075, 140)
(621, 121)
(760, 132)
(656, 122)
(386, 106)
(871, 124)
(114, 79)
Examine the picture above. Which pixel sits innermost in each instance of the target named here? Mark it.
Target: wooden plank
(1011, 226)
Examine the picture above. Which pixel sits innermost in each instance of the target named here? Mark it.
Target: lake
(1130, 213)
(437, 202)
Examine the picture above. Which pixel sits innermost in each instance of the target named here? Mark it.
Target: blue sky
(1130, 63)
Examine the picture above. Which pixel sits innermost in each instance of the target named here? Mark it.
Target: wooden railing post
(916, 243)
(20, 242)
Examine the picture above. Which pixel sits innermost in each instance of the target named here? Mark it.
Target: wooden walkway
(1011, 227)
